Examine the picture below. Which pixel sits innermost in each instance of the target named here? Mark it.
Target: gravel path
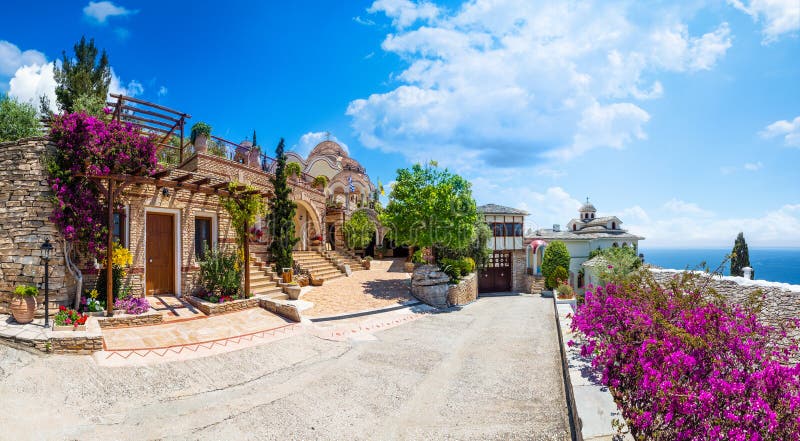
(488, 371)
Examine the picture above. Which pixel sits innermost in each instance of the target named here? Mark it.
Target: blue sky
(683, 120)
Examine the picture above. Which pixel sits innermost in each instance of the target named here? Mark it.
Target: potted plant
(287, 275)
(293, 170)
(321, 181)
(293, 290)
(69, 320)
(23, 305)
(379, 252)
(91, 305)
(199, 137)
(366, 262)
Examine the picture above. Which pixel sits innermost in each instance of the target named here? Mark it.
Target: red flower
(62, 308)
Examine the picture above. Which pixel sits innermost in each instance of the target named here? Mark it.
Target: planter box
(68, 328)
(293, 291)
(96, 313)
(218, 308)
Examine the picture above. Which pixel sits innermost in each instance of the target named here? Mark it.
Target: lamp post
(47, 247)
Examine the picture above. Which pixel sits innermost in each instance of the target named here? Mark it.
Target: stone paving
(385, 284)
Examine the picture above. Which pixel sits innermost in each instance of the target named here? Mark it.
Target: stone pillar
(748, 272)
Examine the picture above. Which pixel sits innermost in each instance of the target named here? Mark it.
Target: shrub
(220, 274)
(467, 265)
(26, 291)
(555, 255)
(17, 119)
(451, 267)
(418, 257)
(682, 367)
(557, 277)
(358, 230)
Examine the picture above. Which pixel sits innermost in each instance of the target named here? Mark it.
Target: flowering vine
(683, 367)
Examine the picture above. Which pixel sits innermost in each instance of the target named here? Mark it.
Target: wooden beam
(150, 112)
(147, 120)
(161, 174)
(147, 103)
(183, 178)
(201, 181)
(110, 251)
(219, 185)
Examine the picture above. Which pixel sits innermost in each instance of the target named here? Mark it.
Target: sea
(773, 264)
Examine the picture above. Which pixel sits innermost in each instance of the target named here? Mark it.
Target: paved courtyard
(488, 371)
(385, 284)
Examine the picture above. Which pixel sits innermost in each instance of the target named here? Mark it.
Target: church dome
(328, 148)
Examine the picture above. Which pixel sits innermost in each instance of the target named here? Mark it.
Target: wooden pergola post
(110, 250)
(246, 260)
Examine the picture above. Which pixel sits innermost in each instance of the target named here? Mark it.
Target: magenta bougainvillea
(682, 367)
(89, 145)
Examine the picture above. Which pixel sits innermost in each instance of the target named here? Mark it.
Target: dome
(328, 148)
(588, 207)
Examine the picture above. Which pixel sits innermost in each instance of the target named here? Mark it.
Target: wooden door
(496, 277)
(160, 259)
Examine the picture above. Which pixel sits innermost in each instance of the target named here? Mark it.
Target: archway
(306, 224)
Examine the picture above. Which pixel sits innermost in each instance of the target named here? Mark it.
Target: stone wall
(519, 275)
(429, 285)
(25, 208)
(463, 292)
(130, 320)
(210, 308)
(781, 300)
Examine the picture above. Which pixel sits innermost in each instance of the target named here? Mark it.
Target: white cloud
(679, 207)
(497, 78)
(753, 166)
(12, 58)
(789, 130)
(34, 81)
(779, 227)
(310, 140)
(405, 12)
(363, 21)
(133, 88)
(162, 91)
(100, 11)
(778, 17)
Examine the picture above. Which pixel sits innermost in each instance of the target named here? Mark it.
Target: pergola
(113, 185)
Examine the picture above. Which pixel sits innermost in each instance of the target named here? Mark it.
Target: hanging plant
(199, 129)
(321, 181)
(293, 169)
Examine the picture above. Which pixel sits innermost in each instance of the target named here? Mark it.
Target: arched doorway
(306, 225)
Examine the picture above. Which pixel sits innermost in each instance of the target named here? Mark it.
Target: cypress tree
(282, 210)
(740, 257)
(83, 81)
(556, 255)
(254, 139)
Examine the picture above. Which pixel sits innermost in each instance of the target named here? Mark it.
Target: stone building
(506, 268)
(349, 188)
(165, 228)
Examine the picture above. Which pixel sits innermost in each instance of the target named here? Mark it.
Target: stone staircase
(537, 286)
(339, 257)
(264, 281)
(317, 264)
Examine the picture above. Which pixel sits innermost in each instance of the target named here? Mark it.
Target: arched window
(574, 227)
(616, 245)
(592, 215)
(624, 244)
(613, 225)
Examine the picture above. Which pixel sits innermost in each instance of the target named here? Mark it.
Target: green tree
(17, 120)
(281, 226)
(622, 261)
(555, 255)
(740, 256)
(431, 207)
(358, 230)
(82, 81)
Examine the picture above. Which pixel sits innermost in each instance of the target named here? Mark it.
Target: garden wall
(463, 292)
(781, 300)
(25, 208)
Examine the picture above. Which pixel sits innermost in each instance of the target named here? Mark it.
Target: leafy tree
(620, 262)
(82, 82)
(281, 227)
(358, 230)
(740, 256)
(555, 255)
(17, 120)
(431, 207)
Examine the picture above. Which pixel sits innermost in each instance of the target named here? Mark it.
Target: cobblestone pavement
(488, 371)
(384, 284)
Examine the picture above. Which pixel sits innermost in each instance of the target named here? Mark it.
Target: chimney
(748, 272)
(556, 228)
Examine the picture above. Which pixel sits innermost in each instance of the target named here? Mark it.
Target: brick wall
(25, 206)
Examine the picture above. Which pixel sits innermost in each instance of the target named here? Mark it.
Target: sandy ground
(488, 371)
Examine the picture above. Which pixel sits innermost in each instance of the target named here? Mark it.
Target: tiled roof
(570, 235)
(500, 209)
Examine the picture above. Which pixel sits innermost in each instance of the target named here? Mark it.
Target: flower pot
(379, 255)
(201, 144)
(68, 328)
(365, 264)
(293, 292)
(287, 275)
(317, 282)
(408, 267)
(23, 308)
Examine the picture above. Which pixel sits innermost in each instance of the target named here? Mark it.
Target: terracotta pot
(287, 276)
(408, 267)
(365, 263)
(23, 308)
(201, 144)
(317, 282)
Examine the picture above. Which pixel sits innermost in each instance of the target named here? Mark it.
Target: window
(513, 230)
(118, 229)
(498, 230)
(202, 236)
(574, 227)
(613, 225)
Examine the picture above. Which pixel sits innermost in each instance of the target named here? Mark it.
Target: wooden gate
(496, 277)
